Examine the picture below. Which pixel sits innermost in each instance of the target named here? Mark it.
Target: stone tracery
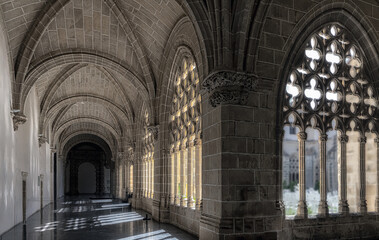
(327, 90)
(185, 136)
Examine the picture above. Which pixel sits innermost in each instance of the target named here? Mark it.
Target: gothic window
(333, 106)
(148, 161)
(185, 136)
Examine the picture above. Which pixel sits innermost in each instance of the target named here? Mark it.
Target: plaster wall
(30, 158)
(19, 151)
(8, 171)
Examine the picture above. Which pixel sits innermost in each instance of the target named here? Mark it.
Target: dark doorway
(86, 165)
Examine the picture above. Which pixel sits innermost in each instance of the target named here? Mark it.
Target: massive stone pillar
(239, 162)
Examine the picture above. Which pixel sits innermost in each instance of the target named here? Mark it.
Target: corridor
(83, 217)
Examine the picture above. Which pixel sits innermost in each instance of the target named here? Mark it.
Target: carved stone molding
(154, 130)
(228, 87)
(18, 119)
(42, 140)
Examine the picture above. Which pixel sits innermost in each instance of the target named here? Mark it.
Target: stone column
(182, 183)
(302, 211)
(279, 190)
(175, 176)
(24, 197)
(189, 175)
(41, 180)
(343, 206)
(323, 210)
(362, 176)
(198, 162)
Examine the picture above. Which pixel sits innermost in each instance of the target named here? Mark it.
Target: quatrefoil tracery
(329, 85)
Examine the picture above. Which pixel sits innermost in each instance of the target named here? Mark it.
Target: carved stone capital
(362, 139)
(154, 130)
(41, 140)
(228, 87)
(302, 136)
(323, 137)
(18, 119)
(343, 138)
(24, 175)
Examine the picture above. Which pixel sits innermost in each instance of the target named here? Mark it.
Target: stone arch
(254, 31)
(66, 72)
(80, 138)
(124, 21)
(39, 26)
(181, 52)
(77, 56)
(341, 13)
(58, 130)
(98, 134)
(359, 31)
(29, 44)
(115, 109)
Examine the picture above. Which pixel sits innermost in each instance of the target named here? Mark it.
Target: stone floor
(81, 218)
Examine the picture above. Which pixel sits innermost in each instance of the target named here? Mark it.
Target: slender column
(172, 174)
(198, 162)
(343, 206)
(362, 175)
(182, 183)
(189, 175)
(323, 205)
(377, 175)
(175, 175)
(302, 211)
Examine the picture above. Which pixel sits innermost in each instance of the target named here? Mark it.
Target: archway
(86, 168)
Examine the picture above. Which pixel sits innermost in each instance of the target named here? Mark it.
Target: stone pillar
(175, 176)
(41, 192)
(24, 197)
(302, 211)
(362, 176)
(182, 183)
(343, 206)
(239, 168)
(198, 162)
(323, 210)
(189, 175)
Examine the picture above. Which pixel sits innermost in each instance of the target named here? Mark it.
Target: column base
(302, 210)
(363, 207)
(323, 210)
(377, 204)
(343, 207)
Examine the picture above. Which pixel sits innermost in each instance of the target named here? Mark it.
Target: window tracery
(148, 161)
(328, 92)
(185, 136)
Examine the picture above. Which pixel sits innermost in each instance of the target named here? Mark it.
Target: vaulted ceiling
(97, 65)
(93, 63)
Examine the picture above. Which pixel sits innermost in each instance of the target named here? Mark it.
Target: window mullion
(302, 205)
(343, 204)
(323, 205)
(362, 175)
